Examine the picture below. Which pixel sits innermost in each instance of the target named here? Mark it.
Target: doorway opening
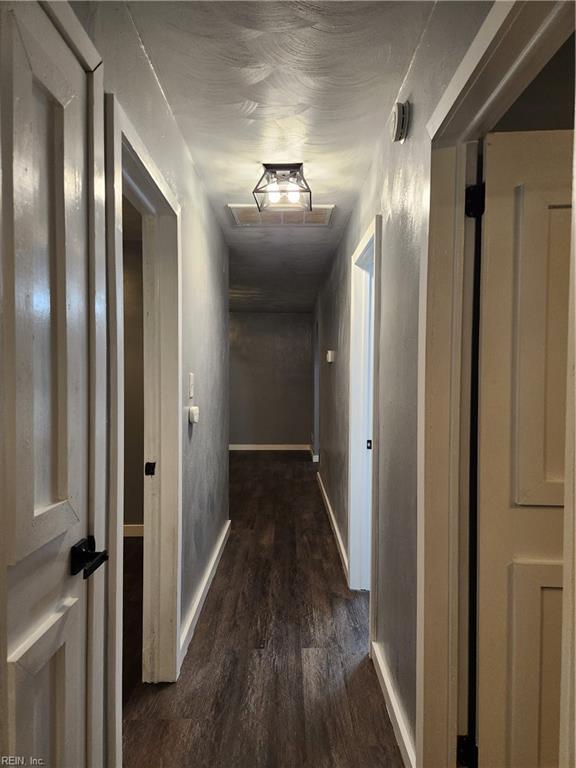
(361, 430)
(133, 573)
(146, 416)
(315, 445)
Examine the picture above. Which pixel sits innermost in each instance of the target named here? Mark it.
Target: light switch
(190, 386)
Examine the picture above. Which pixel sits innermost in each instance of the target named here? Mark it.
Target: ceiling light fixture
(282, 186)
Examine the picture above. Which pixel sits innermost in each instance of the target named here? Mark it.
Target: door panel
(46, 116)
(522, 391)
(46, 383)
(41, 685)
(536, 630)
(542, 261)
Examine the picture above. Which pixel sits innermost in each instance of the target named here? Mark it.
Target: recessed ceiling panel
(250, 216)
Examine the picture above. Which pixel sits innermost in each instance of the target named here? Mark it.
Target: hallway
(277, 673)
(288, 384)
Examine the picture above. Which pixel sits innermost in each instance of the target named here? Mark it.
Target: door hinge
(369, 444)
(150, 468)
(475, 201)
(466, 752)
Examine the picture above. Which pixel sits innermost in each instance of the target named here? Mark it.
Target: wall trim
(400, 724)
(511, 47)
(267, 447)
(76, 37)
(340, 544)
(191, 620)
(133, 530)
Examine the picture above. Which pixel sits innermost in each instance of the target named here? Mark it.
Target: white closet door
(523, 347)
(45, 386)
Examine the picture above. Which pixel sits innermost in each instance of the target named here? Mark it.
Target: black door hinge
(475, 201)
(466, 752)
(369, 444)
(150, 468)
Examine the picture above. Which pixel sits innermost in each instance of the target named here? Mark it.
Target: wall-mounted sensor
(330, 356)
(400, 121)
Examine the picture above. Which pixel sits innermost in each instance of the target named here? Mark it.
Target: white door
(522, 393)
(45, 389)
(361, 414)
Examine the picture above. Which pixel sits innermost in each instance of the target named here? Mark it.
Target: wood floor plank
(278, 673)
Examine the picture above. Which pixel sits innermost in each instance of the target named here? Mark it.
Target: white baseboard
(395, 709)
(264, 447)
(133, 530)
(333, 523)
(189, 623)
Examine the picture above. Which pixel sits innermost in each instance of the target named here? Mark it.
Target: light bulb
(274, 192)
(293, 192)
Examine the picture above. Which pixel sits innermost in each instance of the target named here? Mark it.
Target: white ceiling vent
(250, 216)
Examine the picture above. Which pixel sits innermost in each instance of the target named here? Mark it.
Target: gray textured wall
(271, 382)
(547, 104)
(133, 383)
(128, 74)
(333, 317)
(397, 187)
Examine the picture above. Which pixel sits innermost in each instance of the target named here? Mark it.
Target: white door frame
(130, 170)
(98, 423)
(512, 46)
(315, 446)
(567, 755)
(362, 406)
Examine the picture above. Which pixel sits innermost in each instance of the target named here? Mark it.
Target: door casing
(130, 170)
(365, 263)
(512, 46)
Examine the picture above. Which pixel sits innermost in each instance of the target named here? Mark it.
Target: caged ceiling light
(282, 186)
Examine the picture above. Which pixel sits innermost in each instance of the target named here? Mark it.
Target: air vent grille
(250, 216)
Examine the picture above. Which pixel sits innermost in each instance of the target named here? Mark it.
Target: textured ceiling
(254, 82)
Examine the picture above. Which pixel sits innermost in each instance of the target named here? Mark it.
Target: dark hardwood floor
(278, 674)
